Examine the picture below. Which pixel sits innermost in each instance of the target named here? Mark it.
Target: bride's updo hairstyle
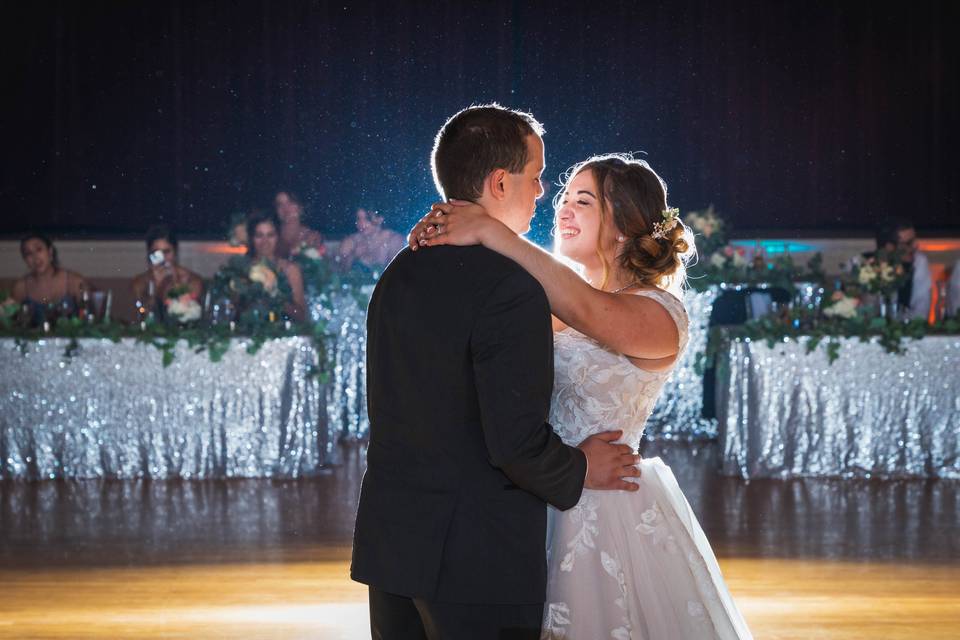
(633, 199)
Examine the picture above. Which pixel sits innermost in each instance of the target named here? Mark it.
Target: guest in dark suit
(451, 526)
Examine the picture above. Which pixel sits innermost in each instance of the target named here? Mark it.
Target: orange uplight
(222, 247)
(938, 245)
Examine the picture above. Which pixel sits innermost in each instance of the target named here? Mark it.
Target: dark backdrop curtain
(784, 115)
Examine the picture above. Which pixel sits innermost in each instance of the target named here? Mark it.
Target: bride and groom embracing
(482, 414)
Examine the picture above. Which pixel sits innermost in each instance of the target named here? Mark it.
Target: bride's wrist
(491, 231)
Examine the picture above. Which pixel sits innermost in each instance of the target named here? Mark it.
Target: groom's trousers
(394, 617)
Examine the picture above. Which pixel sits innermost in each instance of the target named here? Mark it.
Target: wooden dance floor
(269, 559)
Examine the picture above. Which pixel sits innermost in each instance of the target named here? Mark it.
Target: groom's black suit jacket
(461, 459)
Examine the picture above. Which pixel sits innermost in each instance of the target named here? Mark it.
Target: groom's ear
(497, 183)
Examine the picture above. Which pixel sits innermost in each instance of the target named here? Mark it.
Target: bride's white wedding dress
(627, 565)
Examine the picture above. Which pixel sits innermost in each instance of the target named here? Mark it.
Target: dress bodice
(596, 389)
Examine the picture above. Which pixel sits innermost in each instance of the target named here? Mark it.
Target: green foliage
(782, 272)
(771, 330)
(255, 301)
(215, 340)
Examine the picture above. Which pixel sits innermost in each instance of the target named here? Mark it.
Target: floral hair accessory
(671, 216)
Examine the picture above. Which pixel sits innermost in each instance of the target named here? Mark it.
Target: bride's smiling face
(577, 219)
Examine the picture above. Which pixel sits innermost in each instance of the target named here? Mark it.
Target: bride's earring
(620, 238)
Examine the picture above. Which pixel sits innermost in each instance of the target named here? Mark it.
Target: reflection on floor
(262, 559)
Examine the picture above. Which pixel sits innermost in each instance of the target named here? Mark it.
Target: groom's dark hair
(474, 142)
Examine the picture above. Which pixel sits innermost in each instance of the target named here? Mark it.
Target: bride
(622, 565)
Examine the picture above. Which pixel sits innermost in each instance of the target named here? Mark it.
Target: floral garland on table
(889, 335)
(215, 340)
(847, 313)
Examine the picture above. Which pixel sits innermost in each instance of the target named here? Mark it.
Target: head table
(785, 413)
(112, 410)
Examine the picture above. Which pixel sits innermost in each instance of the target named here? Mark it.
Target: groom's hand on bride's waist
(609, 464)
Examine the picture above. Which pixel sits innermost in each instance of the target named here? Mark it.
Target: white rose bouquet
(730, 256)
(184, 309)
(709, 229)
(881, 274)
(266, 276)
(181, 305)
(842, 306)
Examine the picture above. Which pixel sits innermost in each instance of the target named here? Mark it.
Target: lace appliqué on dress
(584, 514)
(612, 567)
(554, 623)
(624, 565)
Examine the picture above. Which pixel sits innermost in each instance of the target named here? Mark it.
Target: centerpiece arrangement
(721, 263)
(249, 292)
(860, 303)
(245, 299)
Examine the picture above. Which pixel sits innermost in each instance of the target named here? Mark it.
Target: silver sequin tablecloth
(677, 414)
(113, 411)
(785, 413)
(346, 394)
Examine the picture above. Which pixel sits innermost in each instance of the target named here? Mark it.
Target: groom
(451, 525)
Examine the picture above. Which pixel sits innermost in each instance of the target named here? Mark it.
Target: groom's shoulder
(475, 263)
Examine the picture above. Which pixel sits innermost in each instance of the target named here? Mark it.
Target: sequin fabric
(113, 411)
(677, 414)
(346, 392)
(785, 413)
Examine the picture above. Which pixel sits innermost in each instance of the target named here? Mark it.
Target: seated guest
(163, 272)
(953, 291)
(48, 288)
(237, 235)
(372, 245)
(898, 234)
(294, 235)
(263, 237)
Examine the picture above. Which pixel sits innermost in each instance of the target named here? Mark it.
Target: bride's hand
(454, 223)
